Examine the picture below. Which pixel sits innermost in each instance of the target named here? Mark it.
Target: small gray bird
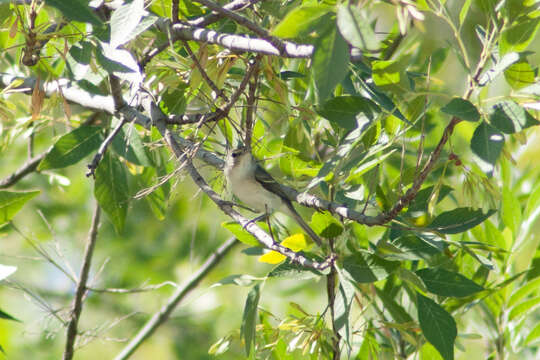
(257, 189)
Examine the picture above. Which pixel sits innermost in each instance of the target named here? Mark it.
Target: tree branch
(163, 314)
(71, 332)
(28, 167)
(215, 16)
(235, 42)
(277, 43)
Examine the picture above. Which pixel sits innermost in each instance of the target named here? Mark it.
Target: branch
(73, 94)
(71, 332)
(235, 42)
(119, 103)
(263, 33)
(215, 16)
(163, 314)
(28, 167)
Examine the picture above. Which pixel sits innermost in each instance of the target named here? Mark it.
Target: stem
(71, 332)
(164, 313)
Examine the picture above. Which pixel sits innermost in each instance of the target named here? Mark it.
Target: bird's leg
(257, 219)
(268, 222)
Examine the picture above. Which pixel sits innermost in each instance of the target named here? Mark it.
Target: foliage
(411, 127)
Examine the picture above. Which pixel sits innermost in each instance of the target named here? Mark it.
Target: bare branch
(215, 16)
(163, 314)
(277, 43)
(235, 42)
(71, 332)
(28, 167)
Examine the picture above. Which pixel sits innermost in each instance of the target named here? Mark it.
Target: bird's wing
(268, 182)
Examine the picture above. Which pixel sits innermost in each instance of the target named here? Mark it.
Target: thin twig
(174, 11)
(103, 148)
(203, 72)
(27, 168)
(71, 332)
(163, 314)
(119, 103)
(251, 98)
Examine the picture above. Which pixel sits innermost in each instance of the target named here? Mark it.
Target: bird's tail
(294, 214)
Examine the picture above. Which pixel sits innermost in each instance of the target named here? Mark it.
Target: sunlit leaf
(355, 28)
(12, 201)
(326, 225)
(249, 319)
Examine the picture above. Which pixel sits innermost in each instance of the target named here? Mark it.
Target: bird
(256, 188)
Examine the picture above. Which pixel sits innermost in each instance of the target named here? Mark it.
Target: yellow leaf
(295, 242)
(273, 257)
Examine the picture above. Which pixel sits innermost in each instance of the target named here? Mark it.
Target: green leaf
(509, 117)
(12, 201)
(355, 28)
(520, 75)
(6, 270)
(386, 72)
(342, 308)
(518, 37)
(72, 147)
(293, 271)
(82, 52)
(511, 210)
(130, 146)
(158, 196)
(462, 109)
(533, 334)
(438, 326)
(77, 10)
(422, 198)
(523, 291)
(326, 225)
(301, 21)
(124, 20)
(111, 190)
(524, 308)
(368, 268)
(249, 319)
(498, 68)
(487, 142)
(241, 234)
(110, 65)
(464, 10)
(397, 312)
(370, 348)
(331, 52)
(417, 248)
(343, 110)
(447, 283)
(6, 316)
(459, 220)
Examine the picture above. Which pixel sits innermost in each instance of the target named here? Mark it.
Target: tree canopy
(404, 132)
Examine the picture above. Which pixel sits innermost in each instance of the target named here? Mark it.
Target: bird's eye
(235, 154)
